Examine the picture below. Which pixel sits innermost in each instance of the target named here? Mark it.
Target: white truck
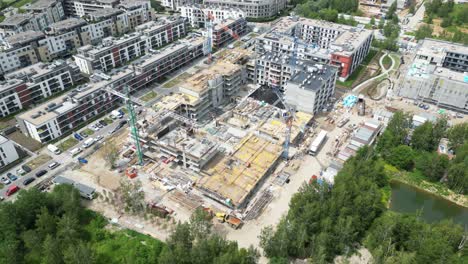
(54, 149)
(116, 114)
(317, 143)
(89, 142)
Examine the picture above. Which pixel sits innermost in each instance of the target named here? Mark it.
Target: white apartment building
(8, 152)
(175, 4)
(252, 8)
(116, 52)
(197, 15)
(321, 41)
(40, 15)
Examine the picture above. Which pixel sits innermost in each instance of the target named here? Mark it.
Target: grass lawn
(2, 185)
(2, 18)
(149, 96)
(88, 131)
(125, 110)
(108, 120)
(38, 161)
(349, 82)
(176, 80)
(67, 144)
(22, 3)
(387, 61)
(369, 57)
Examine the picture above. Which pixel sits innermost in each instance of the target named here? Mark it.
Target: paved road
(64, 159)
(358, 88)
(416, 19)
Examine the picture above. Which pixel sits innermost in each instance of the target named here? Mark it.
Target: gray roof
(40, 5)
(105, 13)
(67, 24)
(84, 188)
(24, 37)
(312, 76)
(16, 20)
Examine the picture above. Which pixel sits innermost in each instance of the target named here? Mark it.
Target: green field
(67, 144)
(149, 96)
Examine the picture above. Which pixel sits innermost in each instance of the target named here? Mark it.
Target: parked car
(41, 173)
(5, 180)
(102, 123)
(425, 107)
(26, 168)
(20, 171)
(29, 180)
(11, 190)
(98, 138)
(54, 165)
(98, 125)
(11, 176)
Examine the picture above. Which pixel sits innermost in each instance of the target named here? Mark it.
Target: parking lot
(45, 157)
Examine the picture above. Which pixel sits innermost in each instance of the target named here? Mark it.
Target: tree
(79, 254)
(131, 195)
(457, 135)
(200, 222)
(401, 157)
(458, 177)
(381, 23)
(432, 165)
(391, 11)
(51, 253)
(372, 21)
(424, 31)
(422, 137)
(395, 134)
(110, 154)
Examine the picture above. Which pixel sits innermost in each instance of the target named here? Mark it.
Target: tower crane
(131, 111)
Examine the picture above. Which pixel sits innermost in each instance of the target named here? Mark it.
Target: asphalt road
(63, 158)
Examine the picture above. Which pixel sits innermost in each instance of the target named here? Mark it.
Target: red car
(11, 190)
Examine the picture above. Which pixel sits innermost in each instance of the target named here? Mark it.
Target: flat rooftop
(16, 20)
(174, 101)
(40, 5)
(24, 37)
(62, 104)
(36, 69)
(67, 24)
(452, 75)
(434, 48)
(9, 84)
(420, 69)
(105, 13)
(312, 77)
(235, 176)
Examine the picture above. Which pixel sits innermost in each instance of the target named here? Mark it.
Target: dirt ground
(38, 161)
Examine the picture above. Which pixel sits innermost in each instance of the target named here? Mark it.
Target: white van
(75, 151)
(89, 142)
(53, 149)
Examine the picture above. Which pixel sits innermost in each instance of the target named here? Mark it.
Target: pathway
(360, 86)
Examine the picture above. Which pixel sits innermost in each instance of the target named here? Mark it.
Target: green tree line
(326, 221)
(54, 228)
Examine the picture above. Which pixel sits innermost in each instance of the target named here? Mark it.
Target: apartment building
(115, 52)
(8, 153)
(20, 50)
(197, 15)
(50, 11)
(321, 41)
(227, 31)
(33, 84)
(252, 8)
(10, 92)
(310, 89)
(39, 15)
(175, 4)
(63, 114)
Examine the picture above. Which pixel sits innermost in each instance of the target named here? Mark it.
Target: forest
(54, 228)
(326, 221)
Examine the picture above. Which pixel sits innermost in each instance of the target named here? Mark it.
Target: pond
(408, 199)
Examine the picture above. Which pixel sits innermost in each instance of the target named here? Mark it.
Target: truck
(89, 142)
(53, 149)
(317, 143)
(85, 191)
(230, 219)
